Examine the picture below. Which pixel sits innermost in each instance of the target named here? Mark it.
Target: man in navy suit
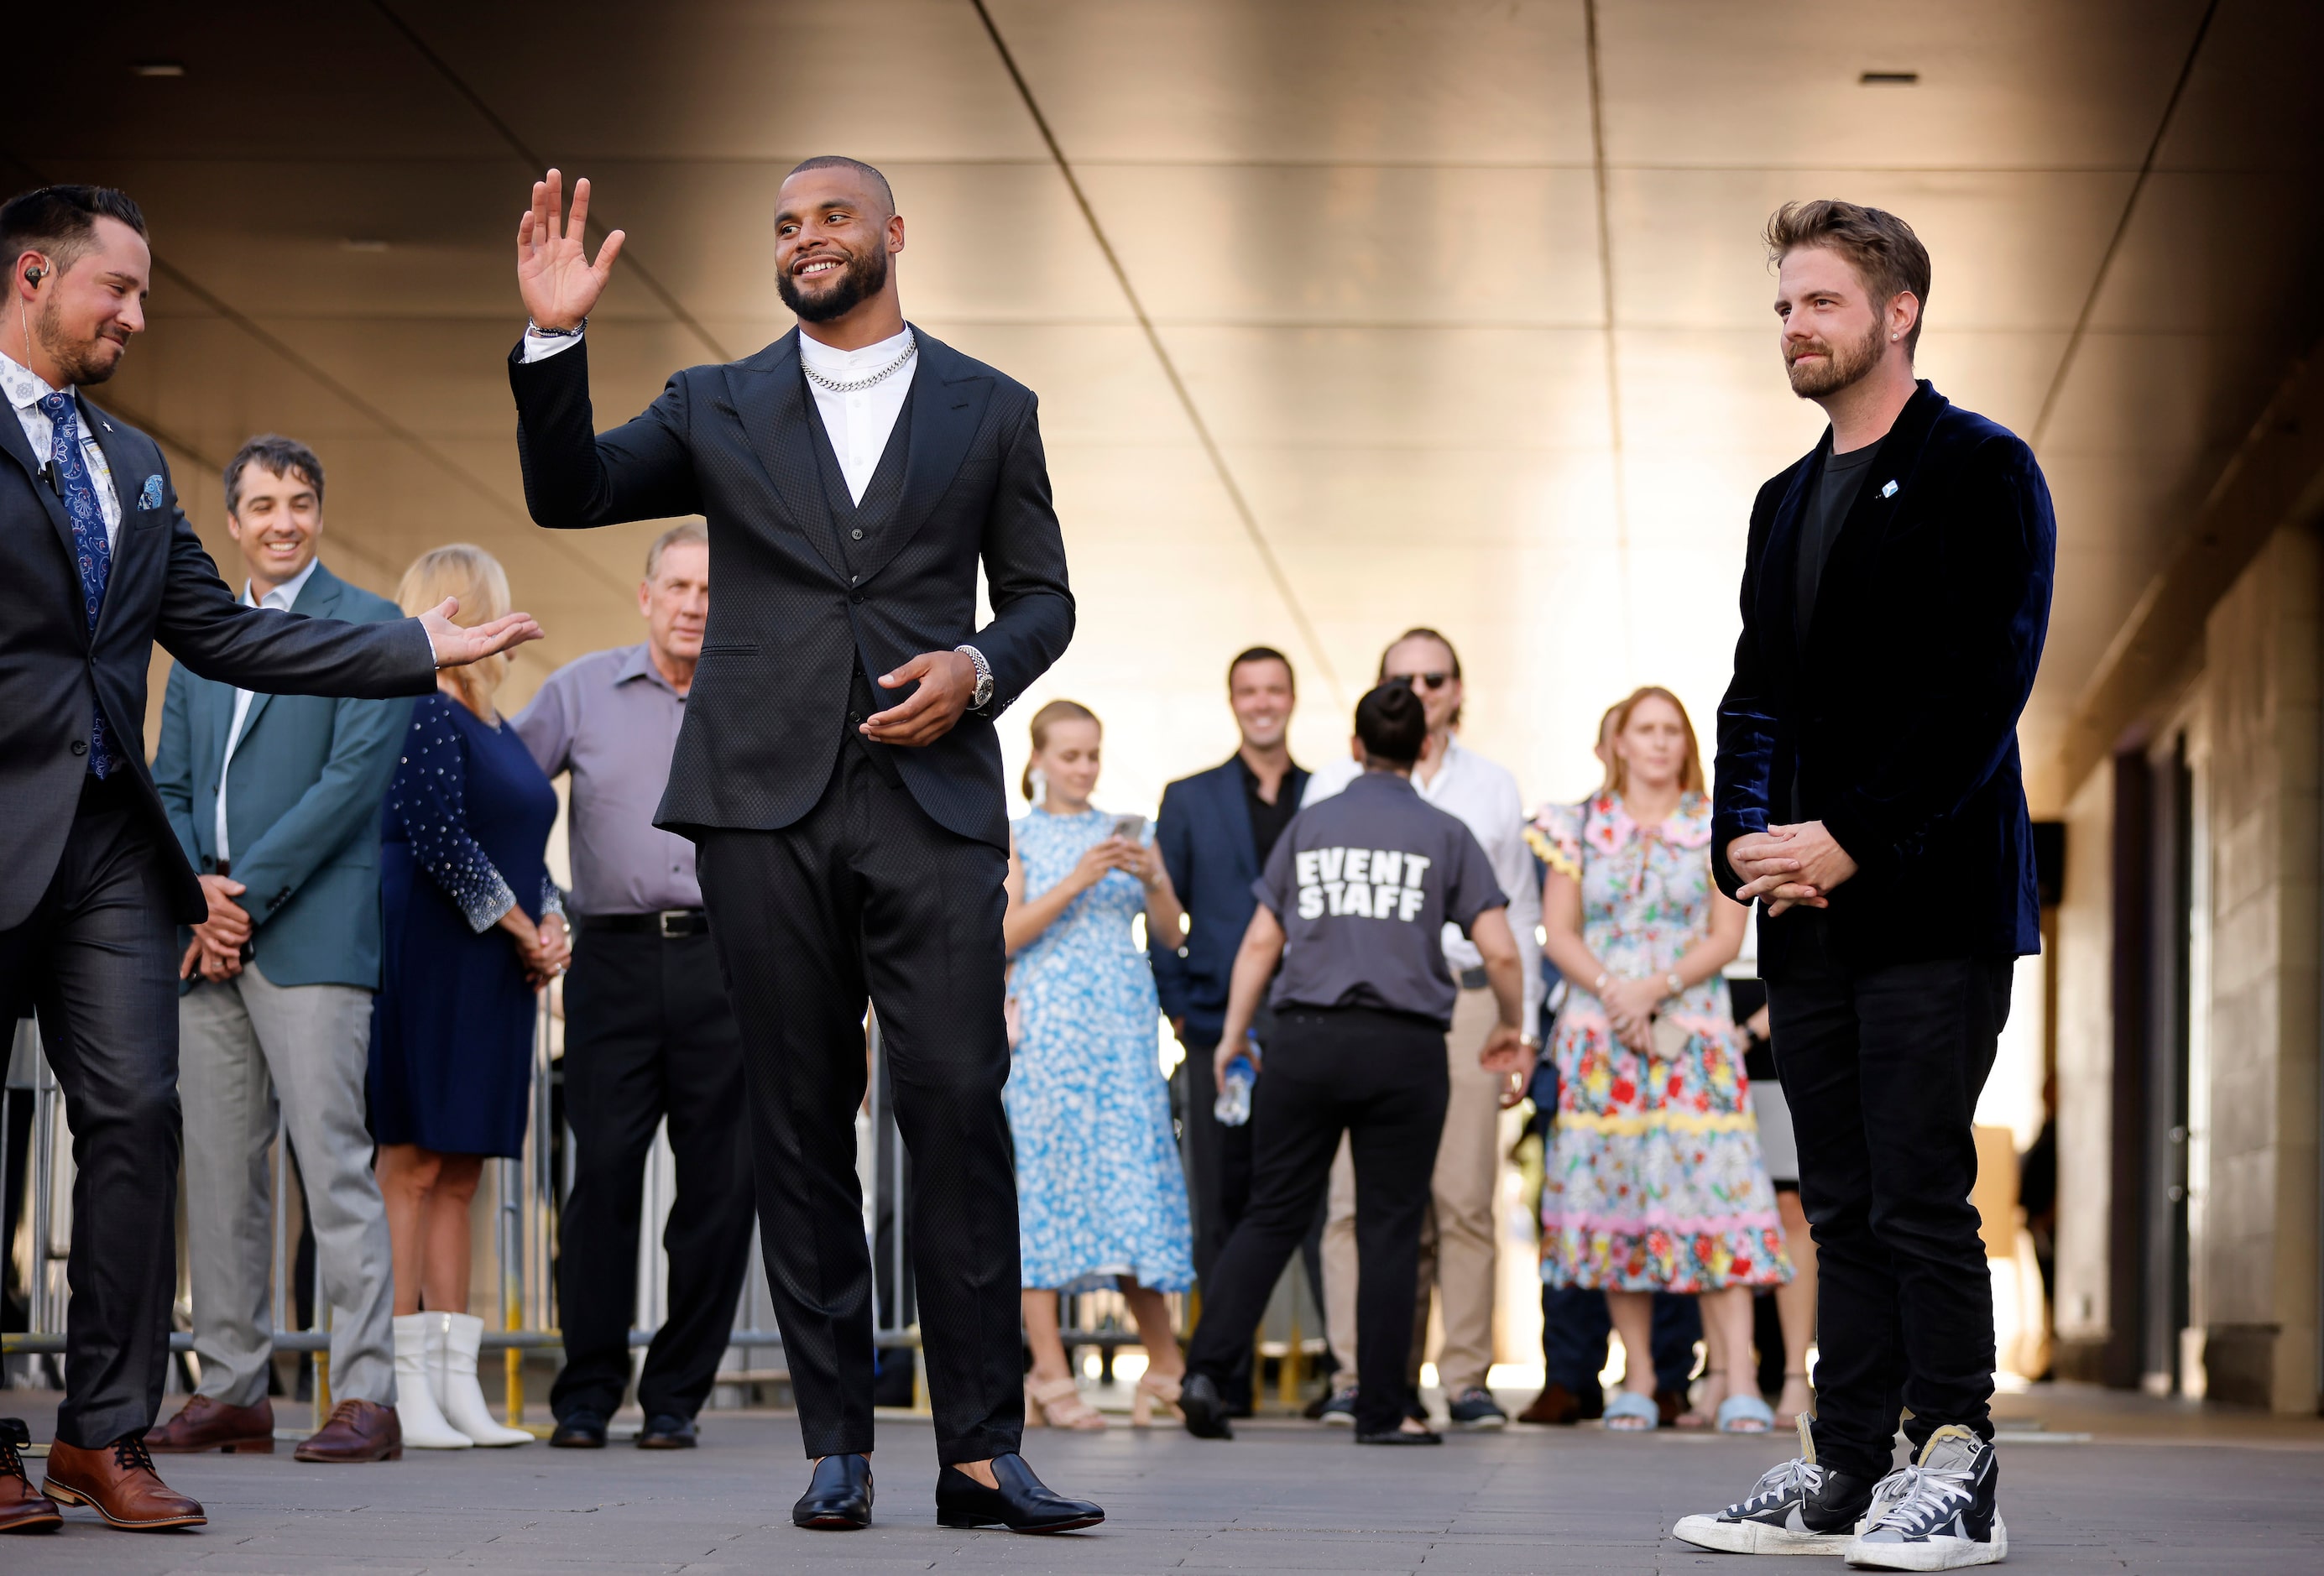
(275, 799)
(1895, 595)
(1215, 831)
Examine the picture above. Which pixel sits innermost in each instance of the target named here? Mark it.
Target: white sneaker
(1939, 1513)
(1801, 1508)
(416, 1411)
(454, 1363)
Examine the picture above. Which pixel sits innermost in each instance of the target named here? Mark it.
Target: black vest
(855, 531)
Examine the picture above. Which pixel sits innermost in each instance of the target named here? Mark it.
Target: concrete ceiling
(1346, 314)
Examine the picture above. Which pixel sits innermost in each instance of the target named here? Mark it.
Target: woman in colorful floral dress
(1654, 1180)
(1100, 1195)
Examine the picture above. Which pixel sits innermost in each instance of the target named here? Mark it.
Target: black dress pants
(98, 958)
(1379, 1078)
(1218, 1184)
(866, 897)
(1881, 1067)
(648, 1033)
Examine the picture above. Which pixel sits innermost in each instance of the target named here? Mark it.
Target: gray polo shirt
(1364, 884)
(610, 719)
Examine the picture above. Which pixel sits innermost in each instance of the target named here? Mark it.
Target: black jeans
(649, 1035)
(1379, 1078)
(1883, 1066)
(98, 958)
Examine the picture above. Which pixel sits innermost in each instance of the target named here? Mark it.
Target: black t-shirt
(1268, 821)
(1835, 495)
(1363, 883)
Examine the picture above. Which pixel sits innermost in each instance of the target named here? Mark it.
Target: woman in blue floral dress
(1101, 1196)
(1654, 1180)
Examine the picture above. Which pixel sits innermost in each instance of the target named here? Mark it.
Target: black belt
(669, 924)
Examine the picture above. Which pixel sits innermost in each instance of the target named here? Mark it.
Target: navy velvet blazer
(1900, 714)
(1204, 834)
(798, 605)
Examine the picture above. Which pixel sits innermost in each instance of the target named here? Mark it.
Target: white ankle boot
(459, 1394)
(422, 1419)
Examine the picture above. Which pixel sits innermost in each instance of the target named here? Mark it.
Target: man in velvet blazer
(1895, 595)
(854, 475)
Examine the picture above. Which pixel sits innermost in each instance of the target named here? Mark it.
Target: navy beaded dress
(462, 839)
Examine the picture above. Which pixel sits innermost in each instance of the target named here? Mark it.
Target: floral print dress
(1099, 1190)
(1655, 1182)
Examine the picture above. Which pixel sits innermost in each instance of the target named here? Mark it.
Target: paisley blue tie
(92, 552)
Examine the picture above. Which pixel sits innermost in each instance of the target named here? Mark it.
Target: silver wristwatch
(983, 695)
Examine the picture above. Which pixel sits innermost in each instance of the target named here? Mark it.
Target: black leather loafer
(582, 1431)
(838, 1497)
(1022, 1502)
(668, 1431)
(1203, 1408)
(1397, 1436)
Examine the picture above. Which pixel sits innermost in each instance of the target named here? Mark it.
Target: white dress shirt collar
(285, 595)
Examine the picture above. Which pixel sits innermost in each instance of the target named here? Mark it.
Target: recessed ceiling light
(1890, 78)
(364, 243)
(159, 69)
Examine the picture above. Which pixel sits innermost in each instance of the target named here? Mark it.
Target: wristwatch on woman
(1677, 986)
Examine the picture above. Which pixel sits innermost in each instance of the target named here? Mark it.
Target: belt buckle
(670, 917)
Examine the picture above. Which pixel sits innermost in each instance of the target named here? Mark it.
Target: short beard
(863, 276)
(1843, 366)
(78, 362)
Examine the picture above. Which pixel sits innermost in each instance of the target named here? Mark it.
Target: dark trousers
(98, 958)
(867, 897)
(1881, 1067)
(648, 1034)
(1218, 1183)
(1576, 1324)
(1380, 1079)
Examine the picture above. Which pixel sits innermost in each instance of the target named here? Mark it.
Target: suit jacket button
(80, 746)
(857, 533)
(281, 896)
(209, 863)
(854, 597)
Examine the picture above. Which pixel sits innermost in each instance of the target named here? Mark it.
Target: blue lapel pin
(1889, 491)
(150, 497)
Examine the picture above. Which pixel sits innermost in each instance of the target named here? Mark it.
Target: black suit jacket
(1204, 834)
(799, 604)
(1900, 716)
(162, 586)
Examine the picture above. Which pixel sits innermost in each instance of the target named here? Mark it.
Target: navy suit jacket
(1204, 834)
(799, 606)
(1899, 716)
(302, 817)
(54, 669)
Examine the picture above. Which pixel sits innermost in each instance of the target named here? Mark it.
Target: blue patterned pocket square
(150, 496)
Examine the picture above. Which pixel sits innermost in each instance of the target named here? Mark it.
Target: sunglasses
(1430, 681)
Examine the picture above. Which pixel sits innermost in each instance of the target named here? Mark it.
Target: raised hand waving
(553, 271)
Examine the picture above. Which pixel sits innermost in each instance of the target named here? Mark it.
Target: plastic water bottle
(1233, 1107)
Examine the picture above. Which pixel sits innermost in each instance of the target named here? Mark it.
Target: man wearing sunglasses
(1458, 1242)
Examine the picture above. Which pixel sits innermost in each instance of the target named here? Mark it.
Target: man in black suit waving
(853, 472)
(96, 564)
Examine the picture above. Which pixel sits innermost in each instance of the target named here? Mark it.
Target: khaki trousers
(1457, 1242)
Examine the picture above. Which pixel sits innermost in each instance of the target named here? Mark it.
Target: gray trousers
(245, 1044)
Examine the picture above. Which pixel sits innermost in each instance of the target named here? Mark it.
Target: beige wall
(2258, 1267)
(2085, 1064)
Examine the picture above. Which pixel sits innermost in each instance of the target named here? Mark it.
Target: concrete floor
(2157, 1487)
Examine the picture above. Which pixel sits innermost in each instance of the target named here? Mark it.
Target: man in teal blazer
(276, 801)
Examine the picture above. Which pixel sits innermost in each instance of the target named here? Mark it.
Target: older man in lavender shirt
(648, 1031)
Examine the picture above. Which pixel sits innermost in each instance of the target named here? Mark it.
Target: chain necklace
(911, 348)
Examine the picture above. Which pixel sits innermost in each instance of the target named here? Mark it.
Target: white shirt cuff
(541, 346)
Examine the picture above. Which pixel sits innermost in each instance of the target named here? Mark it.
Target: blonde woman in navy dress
(1100, 1195)
(474, 928)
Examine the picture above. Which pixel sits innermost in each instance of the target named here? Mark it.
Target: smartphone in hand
(1129, 828)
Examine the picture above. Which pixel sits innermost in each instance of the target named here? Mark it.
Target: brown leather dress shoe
(204, 1425)
(358, 1431)
(1556, 1405)
(23, 1508)
(119, 1483)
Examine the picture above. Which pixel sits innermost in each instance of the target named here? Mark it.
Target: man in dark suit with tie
(96, 564)
(855, 473)
(1215, 831)
(1896, 597)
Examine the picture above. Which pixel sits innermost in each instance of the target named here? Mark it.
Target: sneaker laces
(130, 1454)
(1916, 1501)
(1798, 1478)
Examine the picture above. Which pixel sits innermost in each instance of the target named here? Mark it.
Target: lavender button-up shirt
(610, 719)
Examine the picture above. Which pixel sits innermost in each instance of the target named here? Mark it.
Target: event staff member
(648, 1033)
(98, 563)
(1895, 598)
(855, 473)
(1352, 906)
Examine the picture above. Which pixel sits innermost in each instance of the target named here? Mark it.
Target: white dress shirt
(25, 389)
(859, 424)
(281, 597)
(1484, 798)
